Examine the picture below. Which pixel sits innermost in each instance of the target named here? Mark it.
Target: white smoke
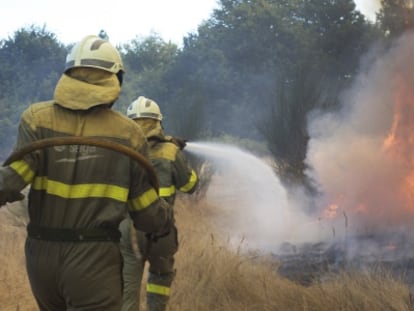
(346, 151)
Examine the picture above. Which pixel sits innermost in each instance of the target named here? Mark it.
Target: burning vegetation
(362, 157)
(362, 161)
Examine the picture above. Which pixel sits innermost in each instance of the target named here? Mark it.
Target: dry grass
(15, 294)
(211, 276)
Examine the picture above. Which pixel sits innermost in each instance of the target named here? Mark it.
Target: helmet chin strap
(120, 76)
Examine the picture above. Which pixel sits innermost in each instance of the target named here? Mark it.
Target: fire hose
(90, 141)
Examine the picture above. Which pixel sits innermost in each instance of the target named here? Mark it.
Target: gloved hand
(10, 196)
(178, 141)
(153, 237)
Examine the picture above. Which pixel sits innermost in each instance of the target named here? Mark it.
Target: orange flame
(398, 146)
(399, 143)
(331, 211)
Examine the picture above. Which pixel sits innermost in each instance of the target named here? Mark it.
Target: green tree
(32, 61)
(157, 69)
(331, 37)
(263, 65)
(396, 16)
(147, 62)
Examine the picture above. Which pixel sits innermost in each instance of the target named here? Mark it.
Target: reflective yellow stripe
(167, 191)
(23, 169)
(80, 191)
(190, 185)
(158, 289)
(144, 200)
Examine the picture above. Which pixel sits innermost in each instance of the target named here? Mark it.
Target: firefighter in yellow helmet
(174, 173)
(79, 194)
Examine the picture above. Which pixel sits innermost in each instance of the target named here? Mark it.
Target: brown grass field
(212, 276)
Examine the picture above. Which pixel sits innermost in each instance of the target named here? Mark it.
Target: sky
(123, 20)
(368, 7)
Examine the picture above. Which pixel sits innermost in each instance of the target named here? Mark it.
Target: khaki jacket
(84, 186)
(173, 170)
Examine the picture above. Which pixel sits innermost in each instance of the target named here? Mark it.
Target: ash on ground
(314, 262)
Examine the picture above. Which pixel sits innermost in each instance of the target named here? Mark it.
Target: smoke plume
(362, 158)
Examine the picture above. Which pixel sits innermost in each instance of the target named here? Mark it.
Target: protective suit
(174, 174)
(79, 194)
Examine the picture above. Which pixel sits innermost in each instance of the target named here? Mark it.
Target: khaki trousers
(159, 254)
(75, 275)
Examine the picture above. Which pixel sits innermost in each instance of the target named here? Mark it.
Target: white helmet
(94, 52)
(144, 107)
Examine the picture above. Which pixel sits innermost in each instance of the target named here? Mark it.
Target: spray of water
(252, 203)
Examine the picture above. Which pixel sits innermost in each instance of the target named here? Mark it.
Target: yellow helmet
(144, 107)
(93, 51)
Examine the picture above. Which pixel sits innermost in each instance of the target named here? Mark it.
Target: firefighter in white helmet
(79, 194)
(174, 174)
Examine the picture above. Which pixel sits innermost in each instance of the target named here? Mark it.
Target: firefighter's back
(77, 200)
